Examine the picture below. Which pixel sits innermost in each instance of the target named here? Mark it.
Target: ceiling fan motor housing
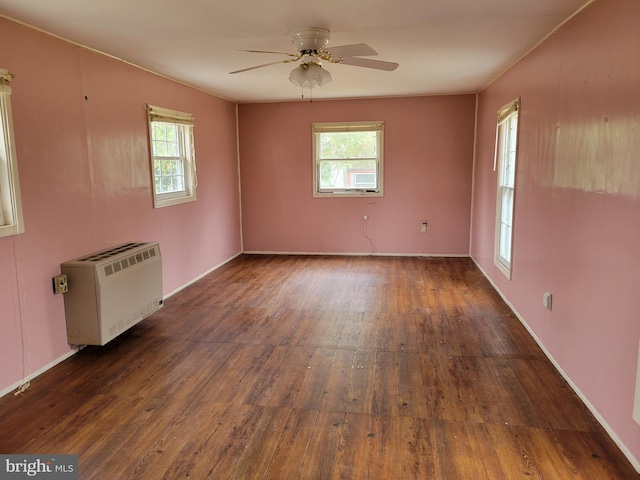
(310, 39)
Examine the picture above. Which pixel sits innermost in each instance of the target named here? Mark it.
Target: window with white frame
(11, 222)
(348, 159)
(505, 163)
(173, 163)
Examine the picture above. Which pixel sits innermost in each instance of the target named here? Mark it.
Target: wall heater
(110, 291)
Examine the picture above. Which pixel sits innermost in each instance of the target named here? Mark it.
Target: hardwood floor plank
(555, 402)
(403, 447)
(434, 334)
(120, 418)
(318, 367)
(311, 389)
(293, 370)
(354, 438)
(501, 395)
(335, 395)
(359, 392)
(320, 329)
(281, 328)
(239, 374)
(412, 386)
(466, 450)
(291, 451)
(386, 384)
(455, 393)
(204, 450)
(320, 459)
(255, 448)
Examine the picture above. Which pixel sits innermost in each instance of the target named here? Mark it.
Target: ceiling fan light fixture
(298, 76)
(309, 75)
(317, 76)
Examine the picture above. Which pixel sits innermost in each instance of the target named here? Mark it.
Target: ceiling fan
(311, 44)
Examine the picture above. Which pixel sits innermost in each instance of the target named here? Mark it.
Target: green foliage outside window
(343, 151)
(168, 161)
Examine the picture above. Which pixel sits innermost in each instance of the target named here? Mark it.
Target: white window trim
(11, 219)
(318, 128)
(167, 115)
(505, 113)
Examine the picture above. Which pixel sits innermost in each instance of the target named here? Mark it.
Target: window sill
(347, 194)
(9, 230)
(159, 202)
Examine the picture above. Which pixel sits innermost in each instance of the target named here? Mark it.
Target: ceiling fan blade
(367, 63)
(257, 66)
(355, 50)
(267, 51)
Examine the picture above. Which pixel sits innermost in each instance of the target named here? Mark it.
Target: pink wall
(85, 179)
(427, 177)
(577, 217)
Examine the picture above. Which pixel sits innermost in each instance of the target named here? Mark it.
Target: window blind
(507, 110)
(161, 114)
(503, 114)
(5, 80)
(347, 127)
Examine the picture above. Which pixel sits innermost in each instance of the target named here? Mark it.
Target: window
(347, 159)
(11, 222)
(173, 162)
(505, 162)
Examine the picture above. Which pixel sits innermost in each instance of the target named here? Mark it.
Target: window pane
(510, 169)
(165, 184)
(173, 157)
(348, 145)
(159, 149)
(339, 174)
(172, 132)
(159, 131)
(177, 184)
(513, 128)
(507, 206)
(505, 244)
(166, 140)
(348, 159)
(506, 156)
(364, 180)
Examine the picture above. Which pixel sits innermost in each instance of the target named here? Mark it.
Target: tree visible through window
(348, 159)
(168, 154)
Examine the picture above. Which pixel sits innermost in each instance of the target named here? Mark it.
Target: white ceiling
(442, 46)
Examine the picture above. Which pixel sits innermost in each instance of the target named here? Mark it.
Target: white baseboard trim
(360, 254)
(33, 375)
(215, 267)
(625, 450)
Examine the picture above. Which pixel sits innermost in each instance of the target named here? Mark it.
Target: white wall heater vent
(110, 291)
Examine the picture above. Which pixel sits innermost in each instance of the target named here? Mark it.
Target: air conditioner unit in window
(110, 291)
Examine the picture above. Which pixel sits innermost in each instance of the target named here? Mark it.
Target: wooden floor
(318, 368)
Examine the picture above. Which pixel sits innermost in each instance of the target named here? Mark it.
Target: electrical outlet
(547, 298)
(365, 217)
(424, 226)
(60, 284)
